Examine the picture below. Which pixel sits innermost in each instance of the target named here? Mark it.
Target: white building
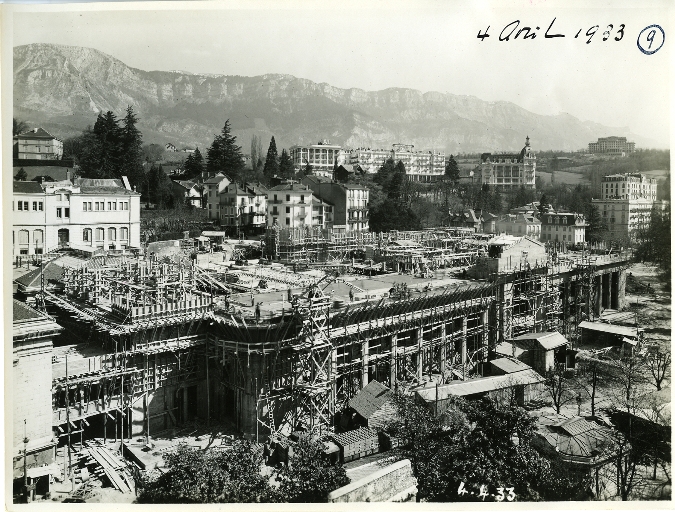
(424, 166)
(563, 227)
(91, 213)
(38, 144)
(289, 205)
(509, 170)
(611, 146)
(245, 207)
(321, 156)
(213, 187)
(626, 203)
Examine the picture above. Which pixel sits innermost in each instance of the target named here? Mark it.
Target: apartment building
(289, 205)
(519, 225)
(508, 171)
(422, 166)
(611, 146)
(244, 207)
(350, 202)
(213, 187)
(38, 144)
(631, 186)
(626, 203)
(321, 156)
(82, 213)
(563, 227)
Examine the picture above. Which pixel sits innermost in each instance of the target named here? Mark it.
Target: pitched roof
(214, 180)
(291, 186)
(373, 396)
(508, 365)
(101, 185)
(22, 311)
(52, 272)
(27, 187)
(57, 173)
(37, 133)
(578, 440)
(548, 340)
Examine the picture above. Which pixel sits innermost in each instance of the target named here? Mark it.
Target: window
(275, 211)
(39, 206)
(100, 232)
(86, 235)
(275, 198)
(96, 206)
(23, 237)
(288, 198)
(112, 234)
(288, 209)
(19, 205)
(302, 198)
(66, 213)
(84, 206)
(126, 205)
(59, 212)
(124, 233)
(25, 205)
(34, 206)
(109, 205)
(288, 221)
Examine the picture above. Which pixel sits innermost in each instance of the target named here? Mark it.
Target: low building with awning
(601, 334)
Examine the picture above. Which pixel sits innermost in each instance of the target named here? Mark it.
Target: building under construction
(149, 345)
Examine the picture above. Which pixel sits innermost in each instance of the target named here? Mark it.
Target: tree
(592, 372)
(256, 152)
(194, 165)
(596, 227)
(109, 148)
(559, 387)
(271, 167)
(225, 156)
(658, 363)
(131, 147)
(21, 175)
(286, 169)
(452, 170)
(208, 476)
(159, 186)
(18, 127)
(152, 152)
(309, 476)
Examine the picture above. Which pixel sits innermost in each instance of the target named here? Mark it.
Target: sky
(427, 45)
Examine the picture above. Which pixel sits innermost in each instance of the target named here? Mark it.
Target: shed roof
(480, 385)
(548, 340)
(373, 396)
(619, 330)
(27, 187)
(508, 365)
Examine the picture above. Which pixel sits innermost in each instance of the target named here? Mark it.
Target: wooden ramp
(114, 468)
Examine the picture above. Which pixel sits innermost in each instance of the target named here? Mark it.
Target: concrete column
(443, 355)
(621, 289)
(610, 282)
(598, 295)
(392, 361)
(420, 353)
(463, 354)
(484, 334)
(365, 356)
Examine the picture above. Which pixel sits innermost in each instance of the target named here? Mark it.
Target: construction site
(272, 346)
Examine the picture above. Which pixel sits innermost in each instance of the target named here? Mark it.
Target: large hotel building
(508, 171)
(322, 156)
(423, 166)
(611, 146)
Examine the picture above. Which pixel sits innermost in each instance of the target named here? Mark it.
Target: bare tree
(658, 363)
(560, 388)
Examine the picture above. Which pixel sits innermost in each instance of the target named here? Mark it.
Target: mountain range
(63, 88)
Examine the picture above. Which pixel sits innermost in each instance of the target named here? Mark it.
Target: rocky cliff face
(63, 88)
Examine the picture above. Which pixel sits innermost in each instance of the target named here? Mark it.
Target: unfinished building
(149, 345)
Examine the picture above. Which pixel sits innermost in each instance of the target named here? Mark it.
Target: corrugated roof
(354, 436)
(27, 187)
(509, 365)
(370, 399)
(548, 340)
(578, 440)
(612, 329)
(480, 385)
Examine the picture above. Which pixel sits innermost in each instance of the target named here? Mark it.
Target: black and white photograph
(337, 252)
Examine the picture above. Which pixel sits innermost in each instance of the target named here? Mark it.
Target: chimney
(68, 174)
(35, 130)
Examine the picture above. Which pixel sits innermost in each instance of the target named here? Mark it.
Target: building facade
(508, 171)
(423, 166)
(187, 192)
(519, 225)
(38, 144)
(245, 207)
(322, 156)
(289, 205)
(563, 227)
(611, 146)
(626, 203)
(90, 213)
(631, 186)
(350, 202)
(213, 187)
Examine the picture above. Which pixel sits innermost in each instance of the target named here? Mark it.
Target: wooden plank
(109, 471)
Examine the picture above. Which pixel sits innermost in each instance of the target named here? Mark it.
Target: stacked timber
(108, 466)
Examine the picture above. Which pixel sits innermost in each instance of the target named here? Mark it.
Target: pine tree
(131, 147)
(286, 169)
(107, 133)
(194, 165)
(452, 169)
(21, 175)
(224, 155)
(272, 161)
